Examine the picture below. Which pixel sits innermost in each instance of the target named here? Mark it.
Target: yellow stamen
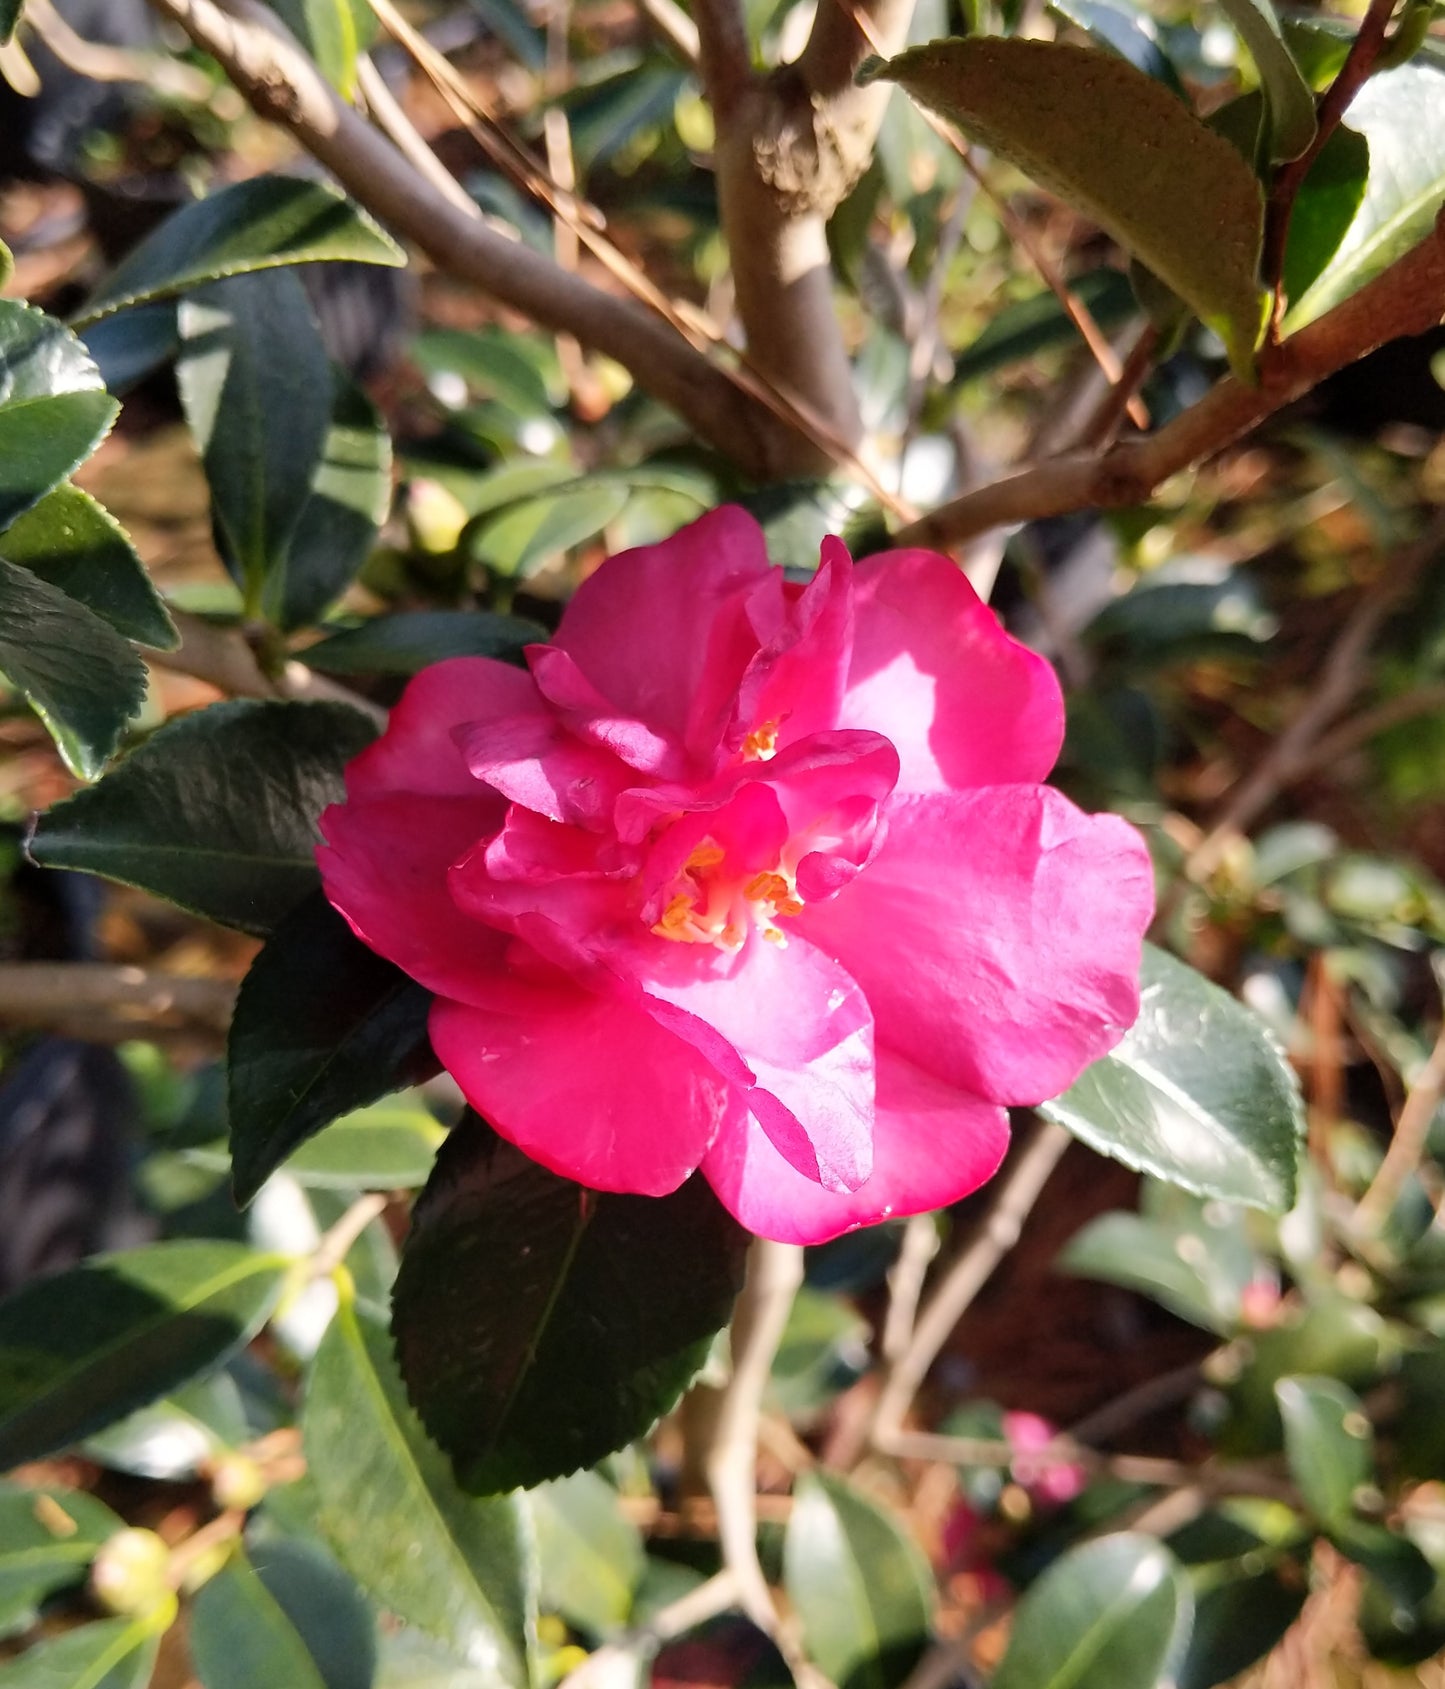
(707, 853)
(761, 745)
(767, 887)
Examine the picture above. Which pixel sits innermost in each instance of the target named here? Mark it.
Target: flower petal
(965, 703)
(661, 631)
(532, 759)
(418, 753)
(589, 1086)
(385, 867)
(997, 937)
(932, 1145)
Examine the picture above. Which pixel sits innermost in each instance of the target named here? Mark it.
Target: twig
(101, 62)
(388, 116)
(606, 1666)
(905, 1283)
(284, 86)
(1408, 298)
(1342, 674)
(1136, 1404)
(1333, 103)
(1407, 1144)
(1100, 430)
(45, 993)
(724, 56)
(337, 1241)
(1369, 724)
(675, 27)
(967, 1275)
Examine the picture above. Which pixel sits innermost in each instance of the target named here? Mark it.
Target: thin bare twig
(609, 1664)
(45, 994)
(967, 1275)
(387, 114)
(905, 1284)
(101, 62)
(337, 1241)
(675, 27)
(1407, 1144)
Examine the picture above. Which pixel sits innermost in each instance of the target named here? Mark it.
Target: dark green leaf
(599, 1333)
(82, 1349)
(408, 642)
(1392, 1560)
(1179, 1267)
(114, 1654)
(256, 385)
(390, 1146)
(859, 1585)
(510, 367)
(48, 1537)
(1189, 607)
(589, 1556)
(1198, 1093)
(253, 225)
(133, 344)
(1118, 146)
(240, 1638)
(350, 494)
(1329, 1442)
(1125, 31)
(78, 673)
(324, 1606)
(1113, 1614)
(1236, 1623)
(455, 1567)
(40, 358)
(77, 545)
(44, 440)
(824, 1349)
(1399, 112)
(177, 1436)
(217, 811)
(322, 1026)
(1327, 204)
(1289, 97)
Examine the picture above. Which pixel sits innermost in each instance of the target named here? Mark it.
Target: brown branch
(1408, 298)
(1407, 1145)
(47, 994)
(1333, 103)
(284, 86)
(724, 57)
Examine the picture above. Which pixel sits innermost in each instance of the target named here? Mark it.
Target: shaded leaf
(529, 534)
(257, 224)
(1125, 31)
(44, 439)
(1394, 1563)
(599, 1333)
(858, 1584)
(80, 676)
(239, 1637)
(1038, 324)
(1112, 1614)
(348, 499)
(1399, 112)
(1198, 1093)
(1236, 1623)
(457, 1568)
(216, 811)
(590, 1558)
(408, 642)
(114, 1654)
(325, 1607)
(77, 545)
(177, 1436)
(256, 385)
(390, 1146)
(48, 1537)
(1173, 1265)
(323, 1025)
(1289, 97)
(1329, 1443)
(9, 17)
(80, 1350)
(1118, 146)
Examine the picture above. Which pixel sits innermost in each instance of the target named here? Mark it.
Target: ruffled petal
(532, 759)
(932, 1145)
(418, 751)
(997, 937)
(965, 703)
(804, 1030)
(589, 1086)
(596, 721)
(662, 632)
(385, 865)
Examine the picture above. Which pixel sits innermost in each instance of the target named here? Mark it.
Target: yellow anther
(767, 887)
(776, 935)
(707, 853)
(762, 743)
(677, 918)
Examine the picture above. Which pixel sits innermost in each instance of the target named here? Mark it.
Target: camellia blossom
(751, 877)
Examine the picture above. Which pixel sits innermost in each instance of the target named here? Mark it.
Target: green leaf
(257, 224)
(1112, 1614)
(1393, 1561)
(1399, 112)
(1198, 1093)
(1175, 1266)
(1330, 1445)
(53, 409)
(598, 1334)
(77, 545)
(1119, 147)
(1236, 1623)
(1125, 31)
(255, 382)
(1327, 204)
(529, 534)
(48, 1537)
(239, 1637)
(81, 677)
(7, 257)
(322, 1026)
(327, 30)
(348, 500)
(859, 1585)
(390, 1146)
(589, 1556)
(114, 1654)
(1289, 97)
(82, 1349)
(179, 1435)
(216, 811)
(410, 641)
(1038, 324)
(455, 1567)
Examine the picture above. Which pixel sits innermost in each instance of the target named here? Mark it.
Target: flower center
(706, 904)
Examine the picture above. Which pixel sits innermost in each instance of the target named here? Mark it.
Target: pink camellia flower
(750, 877)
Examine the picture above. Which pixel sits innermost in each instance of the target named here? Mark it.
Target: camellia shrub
(668, 977)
